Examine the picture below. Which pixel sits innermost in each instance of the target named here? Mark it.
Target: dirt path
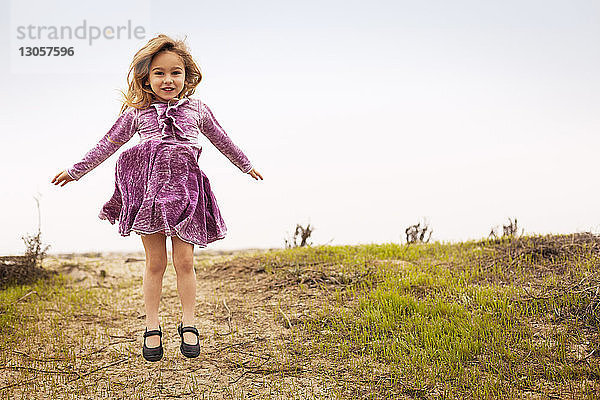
(246, 320)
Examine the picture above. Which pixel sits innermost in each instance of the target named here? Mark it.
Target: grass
(501, 319)
(37, 329)
(461, 320)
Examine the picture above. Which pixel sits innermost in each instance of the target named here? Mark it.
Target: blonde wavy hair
(138, 96)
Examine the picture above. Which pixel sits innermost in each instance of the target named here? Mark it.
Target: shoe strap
(153, 333)
(189, 329)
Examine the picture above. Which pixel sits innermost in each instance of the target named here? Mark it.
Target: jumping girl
(160, 190)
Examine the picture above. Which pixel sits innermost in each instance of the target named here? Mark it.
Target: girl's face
(167, 76)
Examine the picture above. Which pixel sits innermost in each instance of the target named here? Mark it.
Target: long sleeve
(217, 136)
(120, 133)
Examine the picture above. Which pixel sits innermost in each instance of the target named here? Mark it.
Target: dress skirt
(159, 187)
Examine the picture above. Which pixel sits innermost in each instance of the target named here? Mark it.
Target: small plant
(27, 268)
(35, 251)
(508, 231)
(418, 233)
(300, 237)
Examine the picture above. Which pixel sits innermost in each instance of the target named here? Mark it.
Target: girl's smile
(167, 76)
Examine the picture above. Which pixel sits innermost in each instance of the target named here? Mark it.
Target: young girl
(160, 190)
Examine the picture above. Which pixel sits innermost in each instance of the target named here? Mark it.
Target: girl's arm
(217, 136)
(120, 133)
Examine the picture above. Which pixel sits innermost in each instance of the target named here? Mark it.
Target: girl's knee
(156, 252)
(183, 264)
(183, 255)
(156, 266)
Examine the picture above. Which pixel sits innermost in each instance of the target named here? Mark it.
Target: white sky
(363, 117)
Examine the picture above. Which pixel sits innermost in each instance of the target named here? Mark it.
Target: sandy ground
(246, 319)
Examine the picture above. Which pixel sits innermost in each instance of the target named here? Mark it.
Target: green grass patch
(481, 319)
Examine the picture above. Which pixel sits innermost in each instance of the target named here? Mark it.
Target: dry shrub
(19, 270)
(27, 268)
(418, 233)
(300, 237)
(511, 230)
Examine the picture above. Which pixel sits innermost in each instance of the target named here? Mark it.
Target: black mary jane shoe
(189, 350)
(153, 353)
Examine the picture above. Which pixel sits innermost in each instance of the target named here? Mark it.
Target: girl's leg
(183, 261)
(156, 264)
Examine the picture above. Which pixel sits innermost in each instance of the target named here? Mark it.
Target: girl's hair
(140, 96)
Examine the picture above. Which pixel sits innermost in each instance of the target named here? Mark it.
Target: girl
(160, 190)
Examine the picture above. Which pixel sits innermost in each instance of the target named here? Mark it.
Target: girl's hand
(62, 177)
(254, 173)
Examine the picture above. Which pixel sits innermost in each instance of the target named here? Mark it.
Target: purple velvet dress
(159, 186)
